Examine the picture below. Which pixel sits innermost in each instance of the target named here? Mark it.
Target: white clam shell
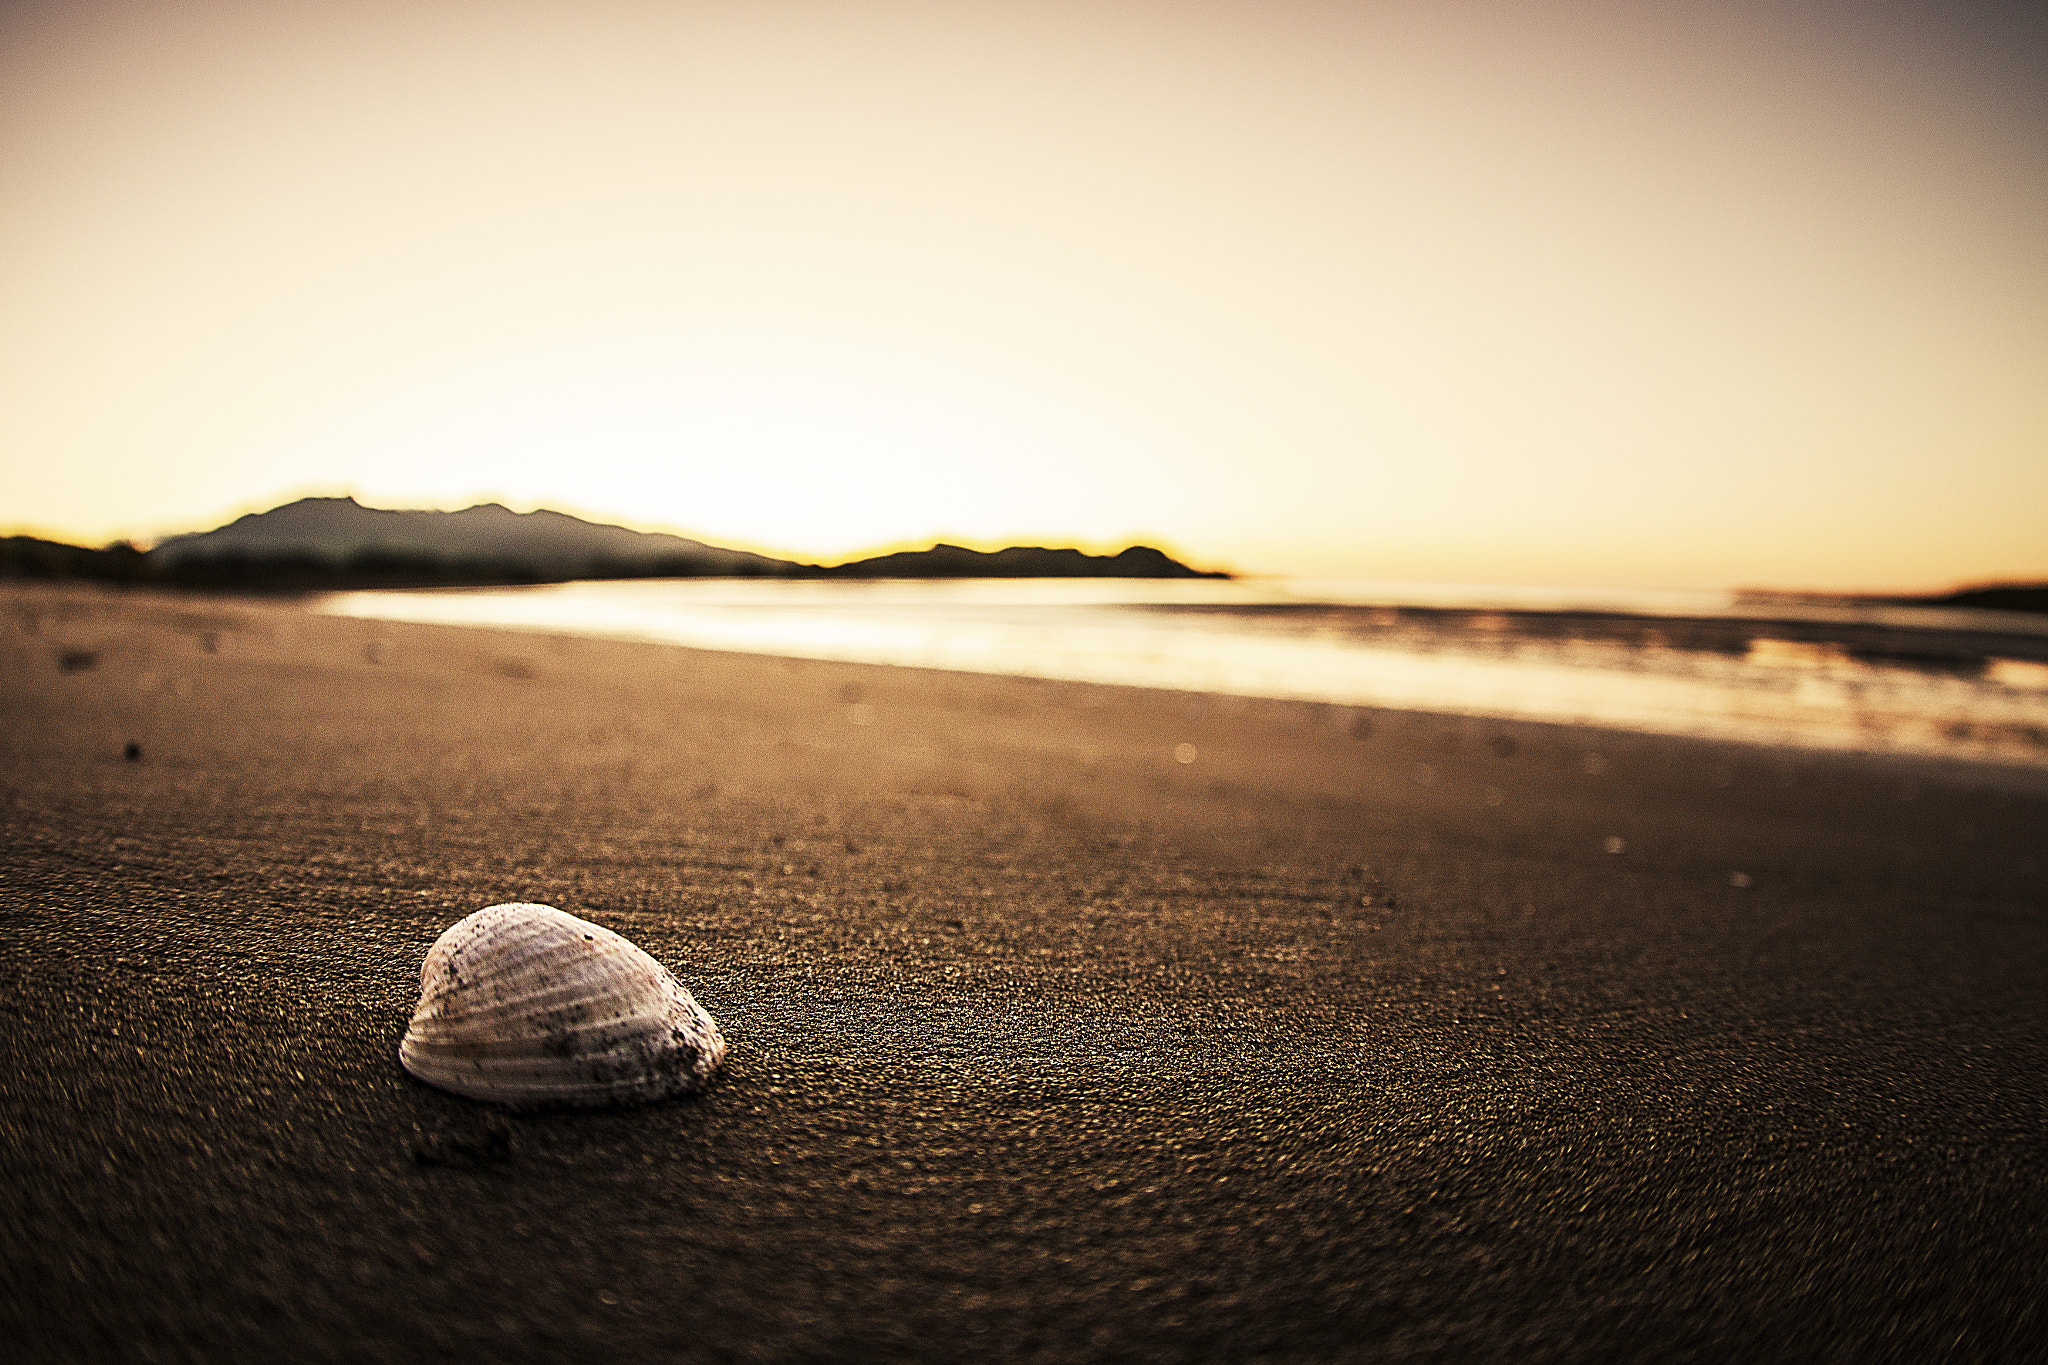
(528, 1006)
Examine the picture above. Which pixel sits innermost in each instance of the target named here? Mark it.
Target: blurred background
(1695, 295)
(1498, 348)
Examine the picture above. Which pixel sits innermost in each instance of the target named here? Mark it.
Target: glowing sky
(1519, 292)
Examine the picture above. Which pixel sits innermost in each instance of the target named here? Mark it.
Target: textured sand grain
(1045, 1045)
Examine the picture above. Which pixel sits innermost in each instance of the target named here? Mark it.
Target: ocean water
(1955, 683)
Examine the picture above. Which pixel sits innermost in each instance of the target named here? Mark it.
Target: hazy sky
(1666, 294)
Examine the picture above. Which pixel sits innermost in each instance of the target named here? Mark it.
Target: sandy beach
(1359, 1036)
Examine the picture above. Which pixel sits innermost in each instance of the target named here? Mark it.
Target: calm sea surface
(1967, 684)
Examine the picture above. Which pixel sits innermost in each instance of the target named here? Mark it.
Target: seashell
(528, 1006)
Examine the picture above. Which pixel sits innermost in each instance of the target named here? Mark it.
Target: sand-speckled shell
(528, 1006)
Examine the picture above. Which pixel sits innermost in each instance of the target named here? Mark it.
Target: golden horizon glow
(1501, 293)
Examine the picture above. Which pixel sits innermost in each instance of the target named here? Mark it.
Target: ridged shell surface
(529, 1006)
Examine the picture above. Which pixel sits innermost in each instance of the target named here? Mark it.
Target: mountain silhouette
(321, 544)
(1018, 561)
(341, 533)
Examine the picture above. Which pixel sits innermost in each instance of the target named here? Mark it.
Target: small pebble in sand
(1616, 844)
(132, 752)
(1185, 753)
(1741, 881)
(529, 1006)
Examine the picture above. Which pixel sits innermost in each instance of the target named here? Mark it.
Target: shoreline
(1876, 687)
(2001, 768)
(1045, 1043)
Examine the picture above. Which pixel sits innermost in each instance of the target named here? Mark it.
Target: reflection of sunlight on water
(2017, 673)
(1285, 640)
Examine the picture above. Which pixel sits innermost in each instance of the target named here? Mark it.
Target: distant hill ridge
(322, 543)
(1017, 561)
(340, 531)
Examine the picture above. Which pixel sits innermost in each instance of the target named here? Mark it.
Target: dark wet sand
(1044, 1045)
